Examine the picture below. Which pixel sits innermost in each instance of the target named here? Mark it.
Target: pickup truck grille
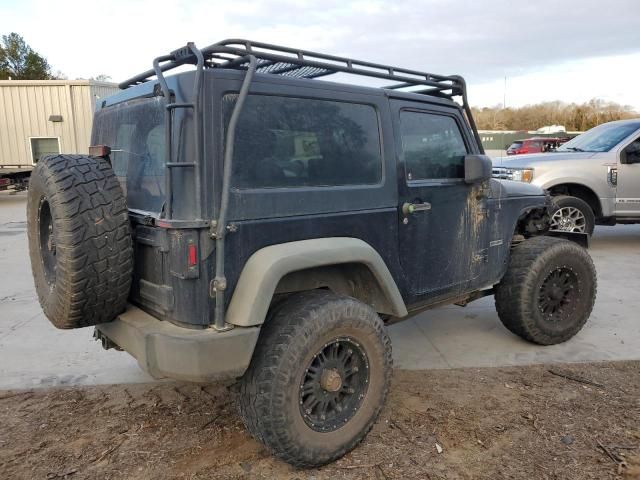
(502, 173)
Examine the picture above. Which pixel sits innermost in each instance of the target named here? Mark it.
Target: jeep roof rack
(297, 63)
(292, 62)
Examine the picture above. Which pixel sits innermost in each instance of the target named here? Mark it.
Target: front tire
(572, 214)
(318, 378)
(548, 291)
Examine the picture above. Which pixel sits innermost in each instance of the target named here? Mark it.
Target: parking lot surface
(34, 354)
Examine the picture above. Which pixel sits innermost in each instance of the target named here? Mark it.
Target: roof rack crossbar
(364, 72)
(267, 49)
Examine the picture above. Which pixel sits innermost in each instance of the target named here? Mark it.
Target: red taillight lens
(192, 255)
(99, 150)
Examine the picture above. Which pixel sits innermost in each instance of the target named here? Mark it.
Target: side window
(299, 142)
(432, 146)
(633, 151)
(135, 132)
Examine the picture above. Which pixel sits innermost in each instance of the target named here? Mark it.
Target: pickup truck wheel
(572, 214)
(79, 240)
(318, 378)
(548, 291)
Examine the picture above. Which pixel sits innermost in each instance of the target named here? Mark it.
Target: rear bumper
(165, 350)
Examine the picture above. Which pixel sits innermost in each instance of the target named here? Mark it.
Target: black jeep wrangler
(242, 220)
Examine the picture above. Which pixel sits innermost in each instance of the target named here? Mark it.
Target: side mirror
(630, 156)
(623, 157)
(477, 168)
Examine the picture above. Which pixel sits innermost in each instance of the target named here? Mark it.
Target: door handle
(409, 208)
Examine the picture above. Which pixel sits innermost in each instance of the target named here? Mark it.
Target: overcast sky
(548, 50)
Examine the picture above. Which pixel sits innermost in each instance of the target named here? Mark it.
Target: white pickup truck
(594, 178)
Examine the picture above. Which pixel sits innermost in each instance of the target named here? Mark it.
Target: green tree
(19, 61)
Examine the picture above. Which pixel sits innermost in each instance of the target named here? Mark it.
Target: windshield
(515, 145)
(601, 138)
(135, 132)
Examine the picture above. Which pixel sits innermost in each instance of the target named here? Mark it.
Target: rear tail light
(192, 255)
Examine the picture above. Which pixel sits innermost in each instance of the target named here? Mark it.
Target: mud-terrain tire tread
(93, 241)
(261, 401)
(514, 294)
(584, 207)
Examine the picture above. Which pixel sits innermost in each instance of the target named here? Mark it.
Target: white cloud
(573, 50)
(609, 78)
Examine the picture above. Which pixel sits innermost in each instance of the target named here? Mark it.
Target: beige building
(39, 117)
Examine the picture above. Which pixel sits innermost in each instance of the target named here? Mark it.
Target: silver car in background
(594, 178)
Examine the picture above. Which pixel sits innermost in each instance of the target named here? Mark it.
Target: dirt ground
(525, 423)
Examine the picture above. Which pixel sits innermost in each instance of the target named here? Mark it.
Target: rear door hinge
(217, 285)
(213, 229)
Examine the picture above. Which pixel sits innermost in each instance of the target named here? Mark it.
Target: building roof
(44, 83)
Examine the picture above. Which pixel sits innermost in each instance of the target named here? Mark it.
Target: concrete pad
(474, 337)
(35, 354)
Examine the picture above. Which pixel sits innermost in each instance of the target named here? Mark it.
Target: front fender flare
(264, 269)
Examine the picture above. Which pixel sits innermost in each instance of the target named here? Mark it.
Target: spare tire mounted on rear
(79, 240)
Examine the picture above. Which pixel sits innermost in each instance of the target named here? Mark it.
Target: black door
(442, 220)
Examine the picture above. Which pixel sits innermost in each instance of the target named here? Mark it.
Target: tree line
(573, 116)
(18, 61)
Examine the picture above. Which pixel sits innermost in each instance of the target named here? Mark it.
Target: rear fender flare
(266, 267)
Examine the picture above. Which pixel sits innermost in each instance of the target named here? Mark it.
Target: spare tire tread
(93, 241)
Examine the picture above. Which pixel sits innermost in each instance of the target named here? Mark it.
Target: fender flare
(266, 267)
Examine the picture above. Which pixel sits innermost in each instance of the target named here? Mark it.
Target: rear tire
(548, 291)
(79, 240)
(318, 378)
(572, 214)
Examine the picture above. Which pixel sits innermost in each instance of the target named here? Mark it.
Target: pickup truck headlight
(517, 174)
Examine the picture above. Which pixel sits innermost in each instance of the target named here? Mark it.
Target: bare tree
(572, 116)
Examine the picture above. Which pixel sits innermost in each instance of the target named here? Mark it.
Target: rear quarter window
(287, 142)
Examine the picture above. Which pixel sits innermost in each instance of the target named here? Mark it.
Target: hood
(509, 188)
(531, 159)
